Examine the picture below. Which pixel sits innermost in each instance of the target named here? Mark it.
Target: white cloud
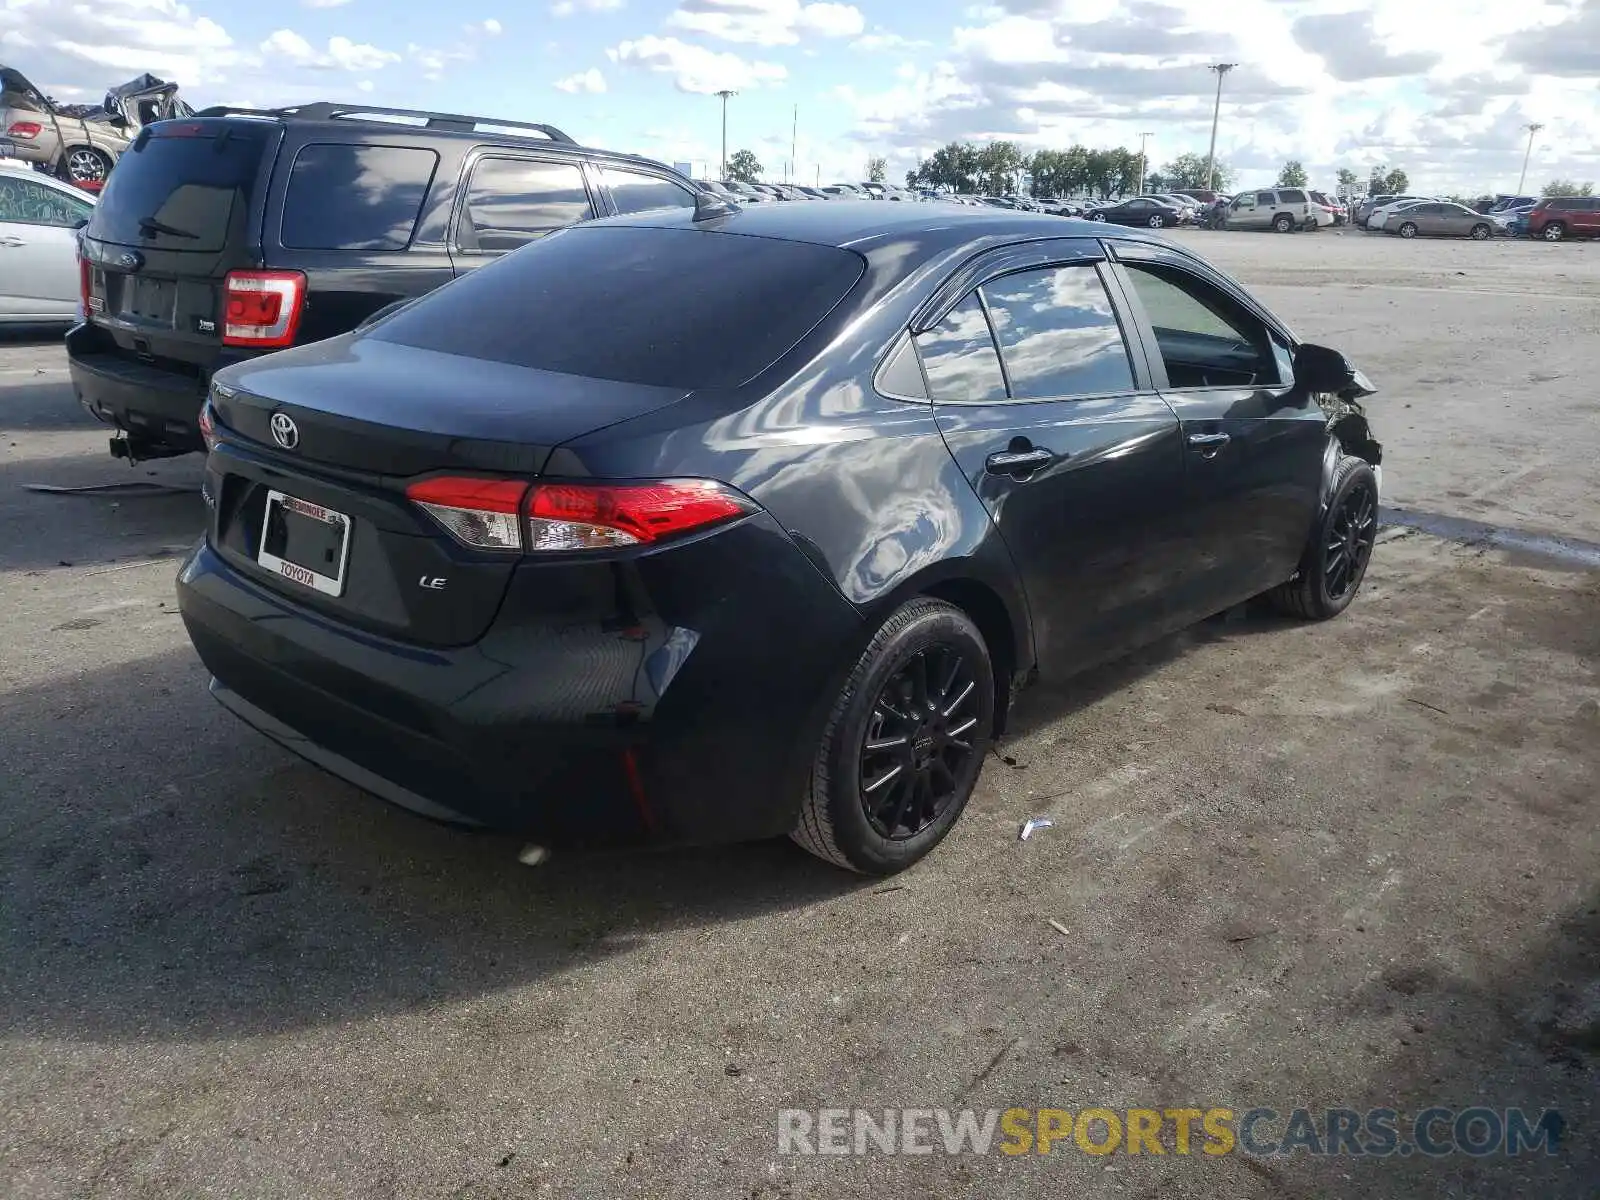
(493, 27)
(766, 22)
(696, 69)
(565, 8)
(590, 81)
(342, 54)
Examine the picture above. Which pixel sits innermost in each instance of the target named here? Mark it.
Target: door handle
(1018, 463)
(12, 241)
(1209, 444)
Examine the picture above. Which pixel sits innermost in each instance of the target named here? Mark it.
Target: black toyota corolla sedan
(724, 524)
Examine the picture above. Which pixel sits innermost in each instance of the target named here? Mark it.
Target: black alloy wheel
(901, 752)
(1351, 533)
(918, 743)
(1338, 549)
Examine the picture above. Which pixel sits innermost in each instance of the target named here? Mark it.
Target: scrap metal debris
(1031, 824)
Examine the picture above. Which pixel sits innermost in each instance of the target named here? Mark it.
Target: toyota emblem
(284, 431)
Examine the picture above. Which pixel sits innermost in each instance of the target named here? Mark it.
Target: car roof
(916, 231)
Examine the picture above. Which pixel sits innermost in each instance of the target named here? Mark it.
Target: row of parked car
(1551, 219)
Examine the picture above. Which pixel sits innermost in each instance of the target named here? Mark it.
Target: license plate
(305, 542)
(149, 299)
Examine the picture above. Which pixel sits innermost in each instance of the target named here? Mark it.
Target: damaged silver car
(80, 143)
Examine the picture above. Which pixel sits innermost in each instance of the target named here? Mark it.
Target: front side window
(959, 356)
(634, 192)
(1206, 338)
(1058, 333)
(514, 201)
(28, 203)
(344, 197)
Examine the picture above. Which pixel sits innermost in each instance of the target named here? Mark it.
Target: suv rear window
(343, 197)
(682, 308)
(180, 190)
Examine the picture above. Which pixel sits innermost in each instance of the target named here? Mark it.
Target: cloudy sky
(1444, 91)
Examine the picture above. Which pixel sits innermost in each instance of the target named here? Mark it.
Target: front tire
(1408, 230)
(1554, 232)
(1336, 555)
(904, 744)
(1157, 221)
(1097, 216)
(1481, 233)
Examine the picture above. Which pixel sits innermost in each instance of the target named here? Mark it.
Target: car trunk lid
(357, 420)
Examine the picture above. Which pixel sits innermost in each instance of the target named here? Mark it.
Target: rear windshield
(682, 308)
(181, 192)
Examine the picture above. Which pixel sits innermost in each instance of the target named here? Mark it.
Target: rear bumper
(150, 405)
(681, 722)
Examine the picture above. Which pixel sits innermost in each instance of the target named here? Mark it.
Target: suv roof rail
(325, 110)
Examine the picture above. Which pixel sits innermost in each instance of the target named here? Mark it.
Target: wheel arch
(998, 610)
(1349, 436)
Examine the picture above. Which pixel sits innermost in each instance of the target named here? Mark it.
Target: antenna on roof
(708, 206)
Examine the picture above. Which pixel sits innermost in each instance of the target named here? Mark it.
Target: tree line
(1003, 167)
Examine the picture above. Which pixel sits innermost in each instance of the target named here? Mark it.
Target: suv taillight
(486, 513)
(26, 130)
(85, 285)
(262, 308)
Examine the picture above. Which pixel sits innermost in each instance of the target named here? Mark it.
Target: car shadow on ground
(175, 876)
(1047, 703)
(1524, 1036)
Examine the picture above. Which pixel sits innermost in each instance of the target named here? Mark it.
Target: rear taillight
(85, 285)
(582, 516)
(26, 130)
(486, 514)
(262, 308)
(208, 426)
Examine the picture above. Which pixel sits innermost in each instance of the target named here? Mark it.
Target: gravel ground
(1350, 865)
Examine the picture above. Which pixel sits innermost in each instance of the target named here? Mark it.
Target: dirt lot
(1351, 865)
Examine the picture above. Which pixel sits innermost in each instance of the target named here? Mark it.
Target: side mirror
(80, 223)
(1320, 370)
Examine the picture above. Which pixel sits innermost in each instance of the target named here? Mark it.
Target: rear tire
(1339, 549)
(85, 164)
(892, 727)
(1283, 223)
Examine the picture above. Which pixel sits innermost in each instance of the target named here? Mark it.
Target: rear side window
(680, 308)
(1266, 199)
(1292, 196)
(514, 201)
(1058, 333)
(185, 191)
(959, 356)
(634, 192)
(344, 197)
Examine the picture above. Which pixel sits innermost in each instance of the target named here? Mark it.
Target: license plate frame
(149, 300)
(295, 572)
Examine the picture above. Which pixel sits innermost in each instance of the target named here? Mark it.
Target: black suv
(237, 232)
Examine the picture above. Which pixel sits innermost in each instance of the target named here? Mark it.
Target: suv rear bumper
(152, 406)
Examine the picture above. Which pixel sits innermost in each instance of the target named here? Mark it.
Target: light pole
(1142, 138)
(1211, 158)
(1532, 129)
(725, 93)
